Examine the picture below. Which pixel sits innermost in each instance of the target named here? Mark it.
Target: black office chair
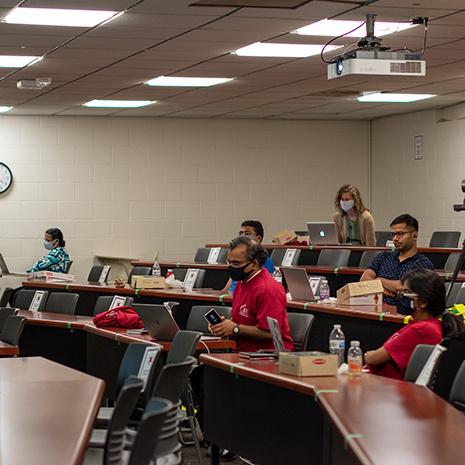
(367, 257)
(104, 301)
(197, 321)
(335, 258)
(62, 302)
(300, 325)
(278, 255)
(12, 329)
(24, 298)
(202, 254)
(449, 239)
(5, 312)
(180, 275)
(417, 361)
(6, 296)
(382, 237)
(69, 266)
(95, 273)
(452, 298)
(451, 262)
(139, 271)
(457, 392)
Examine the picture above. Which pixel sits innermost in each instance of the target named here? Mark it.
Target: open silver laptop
(322, 233)
(157, 320)
(297, 282)
(5, 270)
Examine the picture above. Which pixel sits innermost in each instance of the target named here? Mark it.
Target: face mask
(48, 245)
(238, 274)
(347, 205)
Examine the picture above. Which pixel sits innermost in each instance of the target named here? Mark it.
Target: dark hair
(254, 251)
(358, 204)
(431, 290)
(258, 227)
(409, 221)
(56, 234)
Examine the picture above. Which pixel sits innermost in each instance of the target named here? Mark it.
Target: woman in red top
(428, 303)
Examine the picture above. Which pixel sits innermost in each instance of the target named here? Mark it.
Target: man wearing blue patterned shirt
(389, 267)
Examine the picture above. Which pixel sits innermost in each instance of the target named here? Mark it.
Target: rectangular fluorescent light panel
(337, 27)
(58, 17)
(265, 49)
(12, 61)
(118, 103)
(173, 81)
(4, 109)
(394, 98)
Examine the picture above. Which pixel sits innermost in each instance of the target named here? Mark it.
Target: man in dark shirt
(389, 267)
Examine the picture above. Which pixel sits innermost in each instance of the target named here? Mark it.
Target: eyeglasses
(246, 233)
(410, 295)
(236, 264)
(400, 234)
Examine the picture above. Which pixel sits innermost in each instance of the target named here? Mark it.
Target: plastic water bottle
(324, 290)
(337, 343)
(169, 273)
(277, 275)
(355, 359)
(156, 270)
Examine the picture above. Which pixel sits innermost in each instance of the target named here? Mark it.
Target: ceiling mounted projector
(34, 84)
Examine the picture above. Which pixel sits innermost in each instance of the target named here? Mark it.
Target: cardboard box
(361, 293)
(48, 276)
(148, 282)
(308, 363)
(284, 237)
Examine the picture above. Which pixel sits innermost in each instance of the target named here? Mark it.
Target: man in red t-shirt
(257, 296)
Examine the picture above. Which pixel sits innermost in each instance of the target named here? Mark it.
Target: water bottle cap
(337, 326)
(354, 343)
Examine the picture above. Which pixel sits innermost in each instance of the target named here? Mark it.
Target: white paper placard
(117, 301)
(425, 374)
(213, 255)
(191, 277)
(36, 301)
(314, 283)
(150, 355)
(288, 257)
(103, 274)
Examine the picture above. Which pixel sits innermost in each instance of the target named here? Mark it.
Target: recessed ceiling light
(59, 17)
(12, 61)
(118, 103)
(4, 109)
(266, 49)
(172, 81)
(394, 98)
(337, 27)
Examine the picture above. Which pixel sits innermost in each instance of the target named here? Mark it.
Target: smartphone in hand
(213, 317)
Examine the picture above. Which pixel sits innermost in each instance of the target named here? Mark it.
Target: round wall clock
(6, 177)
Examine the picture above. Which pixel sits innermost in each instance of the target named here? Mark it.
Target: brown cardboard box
(307, 363)
(148, 282)
(361, 293)
(284, 237)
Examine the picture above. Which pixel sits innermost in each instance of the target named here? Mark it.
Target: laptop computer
(157, 320)
(298, 284)
(322, 233)
(5, 270)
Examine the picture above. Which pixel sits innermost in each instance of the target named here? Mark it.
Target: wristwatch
(236, 329)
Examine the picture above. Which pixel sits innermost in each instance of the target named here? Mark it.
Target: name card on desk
(213, 255)
(103, 275)
(191, 277)
(288, 257)
(117, 301)
(36, 301)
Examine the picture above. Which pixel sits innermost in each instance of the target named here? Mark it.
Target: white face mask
(347, 205)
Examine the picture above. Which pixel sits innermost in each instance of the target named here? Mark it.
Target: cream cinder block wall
(137, 186)
(428, 188)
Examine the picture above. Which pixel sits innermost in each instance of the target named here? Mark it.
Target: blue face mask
(49, 245)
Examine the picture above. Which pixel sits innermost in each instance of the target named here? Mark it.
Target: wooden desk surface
(47, 412)
(395, 422)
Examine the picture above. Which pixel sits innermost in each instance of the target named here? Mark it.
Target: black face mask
(238, 274)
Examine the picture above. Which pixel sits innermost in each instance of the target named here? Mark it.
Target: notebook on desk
(5, 270)
(322, 233)
(298, 284)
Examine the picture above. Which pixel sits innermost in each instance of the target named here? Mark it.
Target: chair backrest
(382, 237)
(159, 423)
(180, 274)
(5, 299)
(300, 325)
(202, 254)
(69, 266)
(452, 298)
(139, 271)
(12, 329)
(333, 257)
(62, 302)
(460, 298)
(104, 301)
(197, 321)
(451, 262)
(457, 392)
(5, 312)
(367, 257)
(125, 405)
(448, 239)
(417, 361)
(223, 255)
(24, 298)
(173, 305)
(184, 345)
(277, 257)
(95, 272)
